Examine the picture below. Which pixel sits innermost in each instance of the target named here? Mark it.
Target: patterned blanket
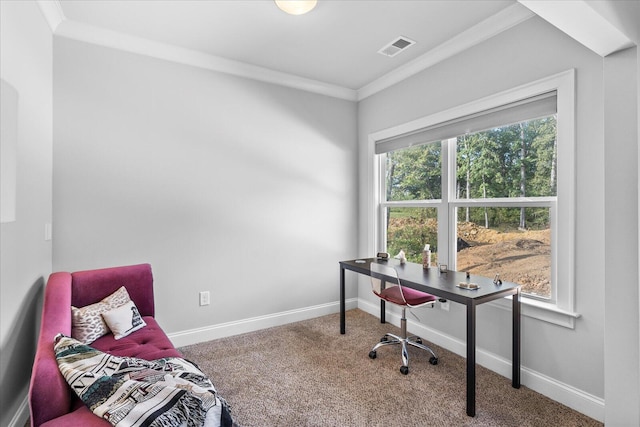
(128, 391)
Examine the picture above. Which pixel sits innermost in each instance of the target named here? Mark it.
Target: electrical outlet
(204, 298)
(444, 305)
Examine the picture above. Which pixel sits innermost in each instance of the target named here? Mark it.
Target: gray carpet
(307, 374)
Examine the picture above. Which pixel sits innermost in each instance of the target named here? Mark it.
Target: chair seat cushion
(412, 296)
(148, 343)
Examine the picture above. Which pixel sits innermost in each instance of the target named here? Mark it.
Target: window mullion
(448, 194)
(412, 203)
(532, 202)
(381, 237)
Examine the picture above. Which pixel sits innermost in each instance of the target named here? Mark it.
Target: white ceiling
(332, 50)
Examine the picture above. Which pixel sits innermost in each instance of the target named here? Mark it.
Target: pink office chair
(395, 293)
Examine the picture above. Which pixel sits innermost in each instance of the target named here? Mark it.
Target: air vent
(396, 46)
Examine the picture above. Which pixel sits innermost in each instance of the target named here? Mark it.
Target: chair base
(404, 342)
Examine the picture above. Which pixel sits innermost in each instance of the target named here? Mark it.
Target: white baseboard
(565, 394)
(22, 414)
(208, 333)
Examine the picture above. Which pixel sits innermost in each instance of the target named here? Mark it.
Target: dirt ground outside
(519, 256)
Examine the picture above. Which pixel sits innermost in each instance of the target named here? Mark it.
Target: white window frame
(560, 310)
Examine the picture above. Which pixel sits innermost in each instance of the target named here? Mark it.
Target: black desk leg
(515, 364)
(342, 305)
(471, 359)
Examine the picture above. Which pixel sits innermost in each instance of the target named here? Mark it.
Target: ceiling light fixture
(296, 7)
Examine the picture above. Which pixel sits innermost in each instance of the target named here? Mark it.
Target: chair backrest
(386, 274)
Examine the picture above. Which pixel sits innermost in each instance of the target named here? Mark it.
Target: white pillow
(124, 320)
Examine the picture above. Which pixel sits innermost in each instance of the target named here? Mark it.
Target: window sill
(541, 310)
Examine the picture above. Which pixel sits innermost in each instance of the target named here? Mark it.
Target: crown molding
(52, 12)
(116, 40)
(490, 27)
(63, 27)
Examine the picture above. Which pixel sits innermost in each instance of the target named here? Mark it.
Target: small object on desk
(401, 256)
(360, 261)
(426, 257)
(468, 275)
(382, 256)
(443, 268)
(496, 280)
(472, 286)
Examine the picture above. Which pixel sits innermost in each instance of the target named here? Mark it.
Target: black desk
(444, 285)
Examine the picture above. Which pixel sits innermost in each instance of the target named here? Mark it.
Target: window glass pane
(414, 173)
(409, 229)
(491, 242)
(510, 161)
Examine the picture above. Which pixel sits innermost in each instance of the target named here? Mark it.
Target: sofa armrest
(49, 395)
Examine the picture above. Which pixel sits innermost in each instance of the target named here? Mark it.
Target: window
(489, 185)
(412, 175)
(511, 171)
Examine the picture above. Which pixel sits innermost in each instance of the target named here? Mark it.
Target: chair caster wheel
(404, 370)
(419, 340)
(433, 360)
(384, 339)
(372, 354)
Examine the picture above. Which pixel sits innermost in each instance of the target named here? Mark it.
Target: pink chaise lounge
(52, 402)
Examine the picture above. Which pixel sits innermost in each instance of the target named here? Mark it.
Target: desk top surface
(444, 285)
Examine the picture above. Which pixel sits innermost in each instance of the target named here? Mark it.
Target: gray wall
(25, 257)
(622, 323)
(526, 53)
(244, 189)
(621, 244)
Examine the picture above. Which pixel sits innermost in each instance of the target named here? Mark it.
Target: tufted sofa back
(91, 286)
